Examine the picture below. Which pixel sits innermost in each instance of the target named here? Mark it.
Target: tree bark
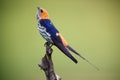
(47, 64)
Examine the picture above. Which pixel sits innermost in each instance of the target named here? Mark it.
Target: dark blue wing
(60, 46)
(49, 26)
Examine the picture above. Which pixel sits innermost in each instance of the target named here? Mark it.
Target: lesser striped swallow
(53, 36)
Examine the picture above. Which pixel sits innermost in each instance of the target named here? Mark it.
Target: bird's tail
(71, 49)
(66, 52)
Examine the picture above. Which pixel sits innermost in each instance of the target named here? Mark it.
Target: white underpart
(44, 33)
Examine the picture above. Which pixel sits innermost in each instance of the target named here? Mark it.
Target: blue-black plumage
(52, 35)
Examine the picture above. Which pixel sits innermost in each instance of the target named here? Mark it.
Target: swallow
(49, 32)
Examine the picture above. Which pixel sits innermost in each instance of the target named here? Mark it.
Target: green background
(92, 27)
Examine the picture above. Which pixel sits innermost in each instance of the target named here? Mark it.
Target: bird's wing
(64, 42)
(58, 43)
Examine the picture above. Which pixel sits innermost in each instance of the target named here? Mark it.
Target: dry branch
(47, 64)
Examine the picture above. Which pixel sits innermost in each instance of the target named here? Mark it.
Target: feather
(60, 46)
(71, 49)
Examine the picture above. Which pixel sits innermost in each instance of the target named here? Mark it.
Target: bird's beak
(38, 13)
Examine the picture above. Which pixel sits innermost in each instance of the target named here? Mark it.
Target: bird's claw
(47, 44)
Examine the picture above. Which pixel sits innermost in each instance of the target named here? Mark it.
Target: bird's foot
(48, 46)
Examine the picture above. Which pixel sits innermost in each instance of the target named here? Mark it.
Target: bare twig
(47, 64)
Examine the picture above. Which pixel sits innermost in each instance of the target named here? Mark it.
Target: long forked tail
(71, 49)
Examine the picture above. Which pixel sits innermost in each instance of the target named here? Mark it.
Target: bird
(51, 34)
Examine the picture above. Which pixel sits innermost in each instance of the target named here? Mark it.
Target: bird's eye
(41, 10)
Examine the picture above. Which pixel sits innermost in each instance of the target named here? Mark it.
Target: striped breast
(44, 33)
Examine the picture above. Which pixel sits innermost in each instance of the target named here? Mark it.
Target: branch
(47, 64)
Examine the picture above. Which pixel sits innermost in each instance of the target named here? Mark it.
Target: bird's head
(42, 14)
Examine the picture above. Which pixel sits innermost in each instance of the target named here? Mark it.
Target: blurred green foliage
(92, 27)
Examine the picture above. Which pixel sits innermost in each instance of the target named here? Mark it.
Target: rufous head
(44, 14)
